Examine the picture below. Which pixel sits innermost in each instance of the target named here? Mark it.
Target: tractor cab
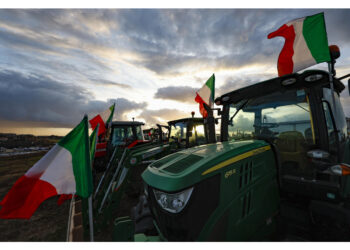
(123, 133)
(158, 134)
(187, 132)
(296, 114)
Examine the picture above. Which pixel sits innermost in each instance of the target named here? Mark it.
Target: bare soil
(48, 223)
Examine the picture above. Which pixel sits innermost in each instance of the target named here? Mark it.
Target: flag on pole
(65, 169)
(306, 44)
(92, 143)
(206, 95)
(104, 119)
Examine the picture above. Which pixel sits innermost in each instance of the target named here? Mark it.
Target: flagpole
(331, 85)
(91, 221)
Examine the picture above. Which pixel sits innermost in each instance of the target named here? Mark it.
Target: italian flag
(65, 169)
(305, 45)
(206, 95)
(103, 119)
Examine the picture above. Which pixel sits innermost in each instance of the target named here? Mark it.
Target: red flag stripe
(25, 197)
(98, 120)
(285, 60)
(202, 110)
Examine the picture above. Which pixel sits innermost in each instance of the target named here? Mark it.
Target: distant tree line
(19, 141)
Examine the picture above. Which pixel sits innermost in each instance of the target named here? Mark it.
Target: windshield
(178, 130)
(139, 133)
(272, 117)
(121, 135)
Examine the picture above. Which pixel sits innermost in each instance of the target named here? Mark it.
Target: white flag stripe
(302, 53)
(105, 115)
(57, 169)
(205, 94)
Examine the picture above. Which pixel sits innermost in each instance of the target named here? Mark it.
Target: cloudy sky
(57, 65)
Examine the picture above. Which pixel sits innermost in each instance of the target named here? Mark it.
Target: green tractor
(120, 135)
(280, 172)
(129, 158)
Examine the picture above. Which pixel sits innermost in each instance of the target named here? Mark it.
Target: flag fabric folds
(206, 95)
(306, 44)
(92, 143)
(103, 119)
(65, 169)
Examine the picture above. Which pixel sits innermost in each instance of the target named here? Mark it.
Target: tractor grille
(179, 166)
(187, 225)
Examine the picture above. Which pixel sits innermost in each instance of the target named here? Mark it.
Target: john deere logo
(229, 173)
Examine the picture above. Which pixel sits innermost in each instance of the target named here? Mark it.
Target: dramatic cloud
(41, 99)
(240, 81)
(177, 93)
(56, 65)
(108, 83)
(162, 116)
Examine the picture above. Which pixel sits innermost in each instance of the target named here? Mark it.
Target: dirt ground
(48, 223)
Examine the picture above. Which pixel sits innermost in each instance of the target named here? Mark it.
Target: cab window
(283, 119)
(139, 133)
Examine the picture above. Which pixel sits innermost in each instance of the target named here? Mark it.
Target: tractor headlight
(173, 203)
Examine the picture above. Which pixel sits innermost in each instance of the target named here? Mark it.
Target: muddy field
(48, 223)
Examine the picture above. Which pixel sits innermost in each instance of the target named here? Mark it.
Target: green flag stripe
(211, 85)
(93, 140)
(315, 35)
(77, 143)
(111, 108)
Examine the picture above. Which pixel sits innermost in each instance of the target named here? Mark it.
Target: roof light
(225, 98)
(288, 81)
(313, 78)
(334, 51)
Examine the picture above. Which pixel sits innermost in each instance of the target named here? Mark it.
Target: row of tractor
(280, 170)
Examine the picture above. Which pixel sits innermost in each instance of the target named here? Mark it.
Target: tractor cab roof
(126, 123)
(193, 119)
(307, 79)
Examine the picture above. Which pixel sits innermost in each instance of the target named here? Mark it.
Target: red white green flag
(206, 95)
(306, 44)
(65, 169)
(104, 119)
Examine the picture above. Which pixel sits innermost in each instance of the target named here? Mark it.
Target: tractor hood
(183, 169)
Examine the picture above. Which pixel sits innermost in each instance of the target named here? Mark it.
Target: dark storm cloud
(123, 106)
(38, 98)
(178, 93)
(236, 82)
(169, 39)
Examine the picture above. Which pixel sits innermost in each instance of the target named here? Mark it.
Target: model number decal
(230, 172)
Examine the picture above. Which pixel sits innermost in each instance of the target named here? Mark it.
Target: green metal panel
(249, 200)
(212, 154)
(249, 195)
